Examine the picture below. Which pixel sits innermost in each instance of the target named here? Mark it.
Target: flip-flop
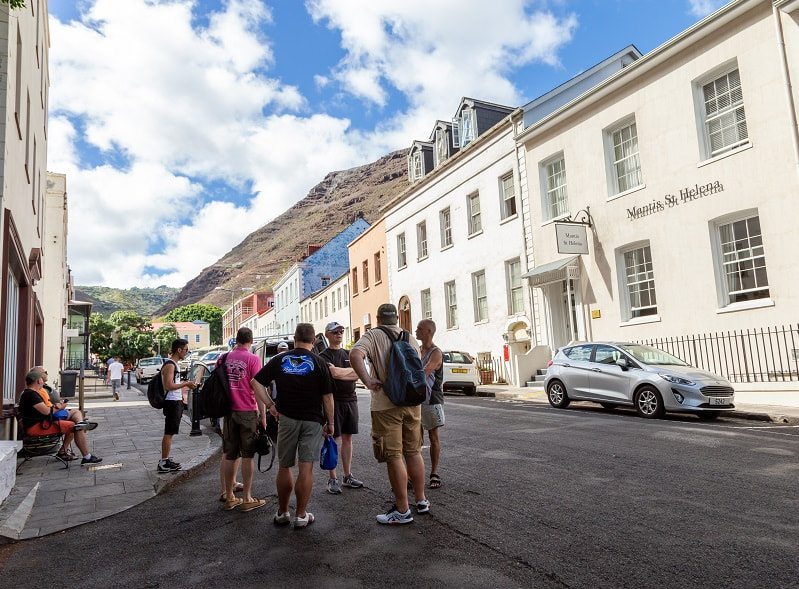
(435, 481)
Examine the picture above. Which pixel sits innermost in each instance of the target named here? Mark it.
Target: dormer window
(415, 166)
(467, 126)
(442, 153)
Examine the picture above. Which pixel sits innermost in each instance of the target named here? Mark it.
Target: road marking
(106, 466)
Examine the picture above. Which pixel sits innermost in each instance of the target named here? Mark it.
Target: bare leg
(435, 450)
(166, 446)
(223, 475)
(285, 485)
(229, 467)
(346, 453)
(67, 441)
(247, 469)
(398, 477)
(416, 471)
(82, 443)
(303, 488)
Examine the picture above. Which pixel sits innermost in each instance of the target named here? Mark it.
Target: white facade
(687, 161)
(287, 300)
(332, 303)
(455, 250)
(55, 272)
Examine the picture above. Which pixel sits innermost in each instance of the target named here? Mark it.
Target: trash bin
(68, 380)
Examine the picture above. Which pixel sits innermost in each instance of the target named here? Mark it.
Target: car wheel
(648, 403)
(556, 393)
(609, 406)
(708, 415)
(470, 391)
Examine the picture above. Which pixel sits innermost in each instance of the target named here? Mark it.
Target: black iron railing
(751, 355)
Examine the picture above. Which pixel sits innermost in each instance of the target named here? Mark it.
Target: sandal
(435, 481)
(67, 456)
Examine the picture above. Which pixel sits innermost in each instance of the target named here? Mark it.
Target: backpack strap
(387, 331)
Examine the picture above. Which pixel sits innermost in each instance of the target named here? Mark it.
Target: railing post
(194, 412)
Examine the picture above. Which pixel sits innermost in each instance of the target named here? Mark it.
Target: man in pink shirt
(240, 427)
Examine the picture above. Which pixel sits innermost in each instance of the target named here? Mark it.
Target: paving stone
(44, 497)
(95, 491)
(125, 500)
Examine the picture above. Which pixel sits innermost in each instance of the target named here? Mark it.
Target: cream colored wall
(760, 176)
(340, 314)
(54, 271)
(366, 302)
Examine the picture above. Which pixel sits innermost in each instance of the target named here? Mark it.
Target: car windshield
(211, 356)
(149, 361)
(650, 355)
(457, 358)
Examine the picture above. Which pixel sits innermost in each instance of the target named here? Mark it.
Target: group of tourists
(312, 396)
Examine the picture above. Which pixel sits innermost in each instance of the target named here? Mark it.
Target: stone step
(534, 385)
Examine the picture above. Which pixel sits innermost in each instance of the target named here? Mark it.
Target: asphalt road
(532, 497)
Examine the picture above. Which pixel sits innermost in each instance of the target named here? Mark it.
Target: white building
(55, 272)
(454, 238)
(332, 303)
(287, 300)
(685, 164)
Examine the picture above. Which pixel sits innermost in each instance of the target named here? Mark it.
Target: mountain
(261, 258)
(144, 301)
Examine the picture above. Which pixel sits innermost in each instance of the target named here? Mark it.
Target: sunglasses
(338, 332)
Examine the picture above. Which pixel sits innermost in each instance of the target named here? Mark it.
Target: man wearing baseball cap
(396, 431)
(346, 405)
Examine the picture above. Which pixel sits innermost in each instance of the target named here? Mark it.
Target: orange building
(368, 277)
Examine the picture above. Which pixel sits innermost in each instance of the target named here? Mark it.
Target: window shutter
(456, 135)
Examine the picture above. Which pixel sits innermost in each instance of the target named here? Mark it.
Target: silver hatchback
(649, 379)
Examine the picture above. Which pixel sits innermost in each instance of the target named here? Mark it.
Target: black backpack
(405, 379)
(156, 393)
(215, 394)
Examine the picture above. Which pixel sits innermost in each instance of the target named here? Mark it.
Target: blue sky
(185, 125)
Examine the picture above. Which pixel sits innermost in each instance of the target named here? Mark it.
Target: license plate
(459, 370)
(720, 400)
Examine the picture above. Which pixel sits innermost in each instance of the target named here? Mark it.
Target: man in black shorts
(346, 405)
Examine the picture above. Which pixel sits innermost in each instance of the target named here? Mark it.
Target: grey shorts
(298, 440)
(432, 416)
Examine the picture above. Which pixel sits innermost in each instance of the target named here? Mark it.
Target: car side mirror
(622, 363)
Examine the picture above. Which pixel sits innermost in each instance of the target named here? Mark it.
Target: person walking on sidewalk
(173, 405)
(239, 431)
(346, 405)
(396, 431)
(37, 418)
(115, 370)
(303, 403)
(433, 408)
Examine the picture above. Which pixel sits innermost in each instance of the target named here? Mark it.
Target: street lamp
(233, 292)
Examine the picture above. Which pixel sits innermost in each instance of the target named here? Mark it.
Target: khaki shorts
(396, 432)
(239, 434)
(298, 440)
(432, 416)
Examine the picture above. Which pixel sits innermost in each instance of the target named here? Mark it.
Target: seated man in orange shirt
(37, 418)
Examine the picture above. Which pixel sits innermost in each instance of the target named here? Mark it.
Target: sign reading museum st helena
(686, 195)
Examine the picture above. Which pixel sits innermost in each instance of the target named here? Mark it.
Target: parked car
(460, 372)
(186, 363)
(649, 379)
(146, 368)
(211, 357)
(265, 349)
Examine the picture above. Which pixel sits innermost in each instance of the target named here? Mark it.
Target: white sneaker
(301, 522)
(423, 506)
(281, 519)
(393, 516)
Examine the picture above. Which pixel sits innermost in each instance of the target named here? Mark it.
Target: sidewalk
(773, 406)
(48, 498)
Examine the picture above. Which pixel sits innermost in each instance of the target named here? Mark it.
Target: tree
(197, 312)
(101, 331)
(14, 3)
(131, 344)
(129, 319)
(164, 336)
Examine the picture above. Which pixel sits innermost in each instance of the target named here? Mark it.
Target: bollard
(194, 412)
(128, 379)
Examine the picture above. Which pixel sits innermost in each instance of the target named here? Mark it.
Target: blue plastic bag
(328, 458)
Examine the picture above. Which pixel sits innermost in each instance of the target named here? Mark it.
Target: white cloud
(437, 52)
(184, 106)
(701, 8)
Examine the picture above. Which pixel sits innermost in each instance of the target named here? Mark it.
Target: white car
(460, 372)
(147, 368)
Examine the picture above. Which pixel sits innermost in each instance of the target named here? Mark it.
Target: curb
(740, 414)
(166, 481)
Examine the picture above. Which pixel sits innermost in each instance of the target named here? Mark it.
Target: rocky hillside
(330, 206)
(144, 301)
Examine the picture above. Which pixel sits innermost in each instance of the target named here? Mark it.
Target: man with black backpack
(173, 403)
(396, 428)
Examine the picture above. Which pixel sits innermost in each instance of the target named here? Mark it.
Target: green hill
(143, 301)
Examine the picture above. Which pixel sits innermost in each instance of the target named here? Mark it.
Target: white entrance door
(562, 306)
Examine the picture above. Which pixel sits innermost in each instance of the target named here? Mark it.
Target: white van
(146, 368)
